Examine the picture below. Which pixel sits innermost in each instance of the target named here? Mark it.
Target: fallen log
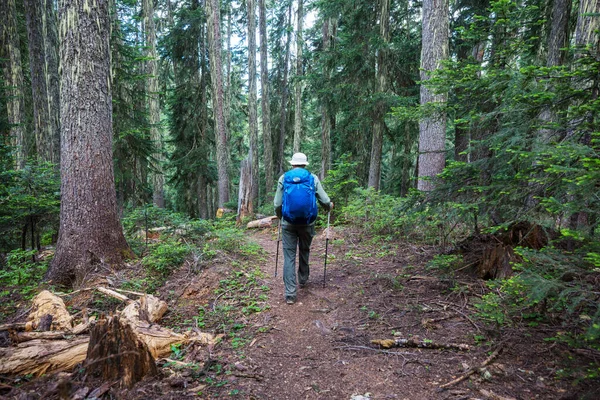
(16, 326)
(39, 355)
(113, 294)
(44, 304)
(20, 337)
(142, 314)
(262, 223)
(417, 343)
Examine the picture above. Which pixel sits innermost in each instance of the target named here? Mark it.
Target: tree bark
(265, 101)
(13, 76)
(284, 94)
(202, 180)
(116, 353)
(245, 190)
(432, 128)
(325, 115)
(557, 39)
(216, 70)
(380, 107)
(588, 24)
(43, 63)
(298, 83)
(90, 234)
(252, 105)
(152, 90)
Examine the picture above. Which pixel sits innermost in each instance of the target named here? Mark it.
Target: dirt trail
(319, 348)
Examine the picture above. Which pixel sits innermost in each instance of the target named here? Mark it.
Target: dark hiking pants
(296, 236)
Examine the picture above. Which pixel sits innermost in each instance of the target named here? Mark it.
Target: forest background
(430, 121)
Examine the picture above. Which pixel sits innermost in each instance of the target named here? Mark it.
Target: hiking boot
(290, 300)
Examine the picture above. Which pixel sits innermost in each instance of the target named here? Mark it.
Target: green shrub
(166, 256)
(549, 283)
(22, 271)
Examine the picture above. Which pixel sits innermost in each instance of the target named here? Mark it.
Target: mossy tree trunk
(13, 76)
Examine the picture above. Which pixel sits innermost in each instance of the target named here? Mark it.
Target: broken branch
(415, 342)
(471, 371)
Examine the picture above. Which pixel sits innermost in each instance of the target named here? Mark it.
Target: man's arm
(278, 197)
(322, 197)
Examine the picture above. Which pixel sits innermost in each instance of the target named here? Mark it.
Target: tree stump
(115, 352)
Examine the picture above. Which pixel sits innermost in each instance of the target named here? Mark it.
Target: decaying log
(143, 313)
(45, 304)
(471, 371)
(113, 294)
(416, 342)
(16, 326)
(116, 352)
(20, 337)
(40, 356)
(263, 223)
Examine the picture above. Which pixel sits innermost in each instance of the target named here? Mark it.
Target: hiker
(296, 206)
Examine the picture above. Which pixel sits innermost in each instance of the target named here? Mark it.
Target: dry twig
(471, 371)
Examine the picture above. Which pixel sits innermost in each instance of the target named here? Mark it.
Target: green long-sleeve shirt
(319, 192)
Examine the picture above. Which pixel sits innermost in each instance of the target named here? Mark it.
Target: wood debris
(418, 343)
(64, 346)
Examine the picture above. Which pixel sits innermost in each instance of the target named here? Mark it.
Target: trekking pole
(326, 248)
(277, 256)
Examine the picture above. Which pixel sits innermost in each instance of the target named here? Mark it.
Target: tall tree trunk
(203, 208)
(152, 90)
(252, 105)
(298, 86)
(13, 75)
(216, 73)
(265, 101)
(325, 115)
(588, 24)
(284, 93)
(432, 129)
(557, 40)
(43, 64)
(90, 234)
(380, 107)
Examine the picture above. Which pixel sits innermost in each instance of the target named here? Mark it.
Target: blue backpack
(299, 206)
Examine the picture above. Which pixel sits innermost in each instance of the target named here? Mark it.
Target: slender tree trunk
(382, 84)
(284, 94)
(152, 90)
(432, 129)
(265, 101)
(202, 181)
(557, 40)
(90, 235)
(13, 75)
(588, 24)
(43, 63)
(299, 74)
(245, 189)
(325, 117)
(228, 88)
(214, 39)
(252, 106)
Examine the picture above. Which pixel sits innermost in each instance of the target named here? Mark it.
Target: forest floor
(320, 347)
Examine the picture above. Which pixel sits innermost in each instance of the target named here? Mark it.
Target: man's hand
(331, 205)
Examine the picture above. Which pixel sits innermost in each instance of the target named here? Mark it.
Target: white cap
(299, 159)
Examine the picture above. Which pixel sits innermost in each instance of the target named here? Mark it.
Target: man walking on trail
(296, 206)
